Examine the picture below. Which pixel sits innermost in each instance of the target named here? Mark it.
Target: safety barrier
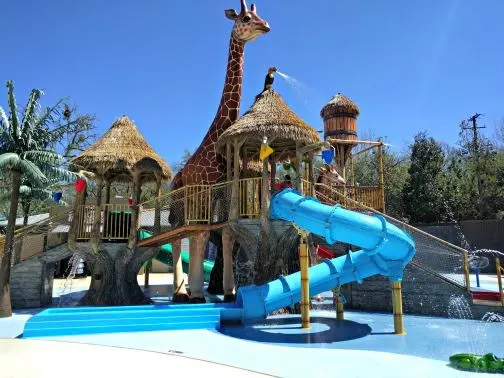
(434, 255)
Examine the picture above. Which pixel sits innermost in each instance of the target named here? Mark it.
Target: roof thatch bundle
(270, 116)
(339, 105)
(119, 152)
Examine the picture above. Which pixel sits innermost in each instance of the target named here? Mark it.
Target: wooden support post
(340, 315)
(381, 177)
(95, 233)
(499, 279)
(234, 210)
(157, 228)
(273, 172)
(299, 158)
(228, 160)
(78, 213)
(311, 177)
(304, 263)
(397, 308)
(265, 195)
(227, 254)
(467, 277)
(137, 189)
(107, 191)
(179, 288)
(353, 178)
(197, 245)
(148, 267)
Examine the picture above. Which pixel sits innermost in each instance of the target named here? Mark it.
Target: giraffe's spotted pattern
(206, 166)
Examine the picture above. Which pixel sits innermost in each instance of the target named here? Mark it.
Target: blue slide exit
(386, 250)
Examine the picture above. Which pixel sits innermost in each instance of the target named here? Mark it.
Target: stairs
(94, 320)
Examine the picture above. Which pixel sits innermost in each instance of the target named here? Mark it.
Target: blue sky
(409, 65)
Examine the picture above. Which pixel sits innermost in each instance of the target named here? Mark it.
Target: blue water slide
(385, 249)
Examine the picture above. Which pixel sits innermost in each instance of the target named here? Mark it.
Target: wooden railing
(250, 200)
(197, 204)
(115, 222)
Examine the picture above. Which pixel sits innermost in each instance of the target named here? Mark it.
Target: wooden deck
(178, 233)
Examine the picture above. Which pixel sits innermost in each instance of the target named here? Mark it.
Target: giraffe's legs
(228, 277)
(197, 247)
(179, 289)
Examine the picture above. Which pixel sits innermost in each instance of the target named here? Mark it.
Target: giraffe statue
(206, 166)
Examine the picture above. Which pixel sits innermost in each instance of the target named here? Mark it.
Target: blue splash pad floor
(362, 345)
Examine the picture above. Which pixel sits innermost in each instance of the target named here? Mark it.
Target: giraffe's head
(248, 25)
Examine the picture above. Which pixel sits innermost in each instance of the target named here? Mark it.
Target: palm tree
(25, 155)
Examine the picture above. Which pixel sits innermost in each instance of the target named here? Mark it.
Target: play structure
(385, 250)
(228, 191)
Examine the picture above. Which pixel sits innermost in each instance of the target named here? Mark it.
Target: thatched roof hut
(270, 116)
(339, 105)
(121, 151)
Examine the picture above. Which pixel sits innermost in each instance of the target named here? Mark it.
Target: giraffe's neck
(229, 107)
(204, 166)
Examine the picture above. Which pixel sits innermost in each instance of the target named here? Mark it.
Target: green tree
(23, 154)
(395, 170)
(178, 165)
(481, 161)
(423, 191)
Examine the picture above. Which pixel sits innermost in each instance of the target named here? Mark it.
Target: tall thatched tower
(340, 126)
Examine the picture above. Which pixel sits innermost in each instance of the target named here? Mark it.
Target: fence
(198, 204)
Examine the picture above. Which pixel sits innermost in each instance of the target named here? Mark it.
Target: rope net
(434, 255)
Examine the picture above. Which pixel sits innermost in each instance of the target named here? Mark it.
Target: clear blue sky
(409, 65)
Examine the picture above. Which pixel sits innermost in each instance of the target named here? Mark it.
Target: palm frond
(33, 173)
(43, 157)
(25, 191)
(9, 160)
(49, 115)
(5, 127)
(11, 99)
(58, 174)
(30, 112)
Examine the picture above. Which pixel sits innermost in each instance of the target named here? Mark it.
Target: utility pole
(476, 151)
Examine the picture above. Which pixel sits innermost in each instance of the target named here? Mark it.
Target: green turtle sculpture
(488, 363)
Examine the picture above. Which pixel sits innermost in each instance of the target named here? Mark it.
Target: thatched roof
(339, 105)
(270, 116)
(121, 150)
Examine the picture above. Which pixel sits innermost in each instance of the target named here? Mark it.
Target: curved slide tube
(386, 250)
(165, 256)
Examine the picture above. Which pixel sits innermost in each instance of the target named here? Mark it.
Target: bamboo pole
(311, 176)
(305, 281)
(499, 279)
(397, 308)
(466, 271)
(95, 233)
(273, 172)
(340, 311)
(228, 160)
(234, 211)
(137, 188)
(381, 176)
